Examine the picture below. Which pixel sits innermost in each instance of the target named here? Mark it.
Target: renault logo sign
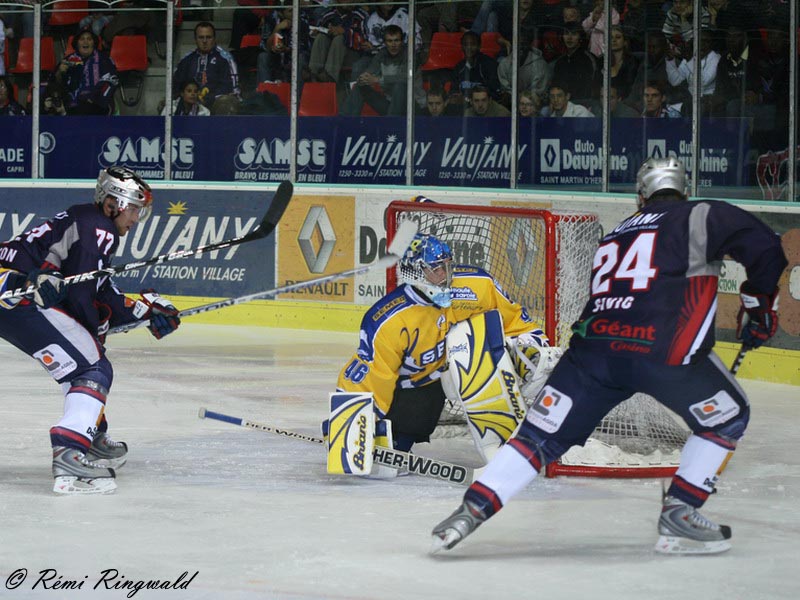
(550, 155)
(317, 219)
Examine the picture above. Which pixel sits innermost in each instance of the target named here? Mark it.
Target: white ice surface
(258, 517)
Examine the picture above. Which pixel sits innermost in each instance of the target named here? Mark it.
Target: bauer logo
(57, 362)
(720, 408)
(550, 155)
(549, 409)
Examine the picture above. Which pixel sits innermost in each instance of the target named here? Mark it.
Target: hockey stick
(268, 223)
(405, 234)
(418, 465)
(739, 358)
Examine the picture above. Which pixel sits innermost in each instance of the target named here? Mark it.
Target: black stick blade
(276, 209)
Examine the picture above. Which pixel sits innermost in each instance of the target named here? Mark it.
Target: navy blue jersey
(654, 278)
(78, 240)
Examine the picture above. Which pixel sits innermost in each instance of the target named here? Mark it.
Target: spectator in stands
(652, 68)
(5, 32)
(737, 82)
(54, 99)
(483, 105)
(533, 73)
(277, 39)
(437, 104)
(534, 18)
(549, 37)
(624, 65)
(9, 106)
(595, 27)
(357, 48)
(248, 19)
(771, 84)
(475, 69)
(633, 21)
(682, 73)
(187, 104)
(654, 102)
(209, 65)
(560, 104)
(577, 69)
(678, 26)
(390, 14)
(387, 71)
(327, 49)
(529, 104)
(88, 76)
(619, 109)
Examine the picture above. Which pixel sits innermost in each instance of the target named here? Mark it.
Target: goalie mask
(127, 189)
(428, 266)
(660, 174)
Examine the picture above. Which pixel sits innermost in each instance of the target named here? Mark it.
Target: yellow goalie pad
(483, 374)
(351, 433)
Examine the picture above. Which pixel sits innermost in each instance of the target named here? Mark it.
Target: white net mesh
(543, 259)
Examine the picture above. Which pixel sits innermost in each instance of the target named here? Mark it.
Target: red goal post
(543, 260)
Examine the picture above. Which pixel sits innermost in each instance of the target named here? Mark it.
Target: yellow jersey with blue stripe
(402, 338)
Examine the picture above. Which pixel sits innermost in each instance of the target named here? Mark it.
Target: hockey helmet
(659, 174)
(126, 187)
(427, 265)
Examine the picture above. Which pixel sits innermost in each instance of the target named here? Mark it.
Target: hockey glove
(534, 360)
(757, 320)
(50, 287)
(164, 317)
(104, 316)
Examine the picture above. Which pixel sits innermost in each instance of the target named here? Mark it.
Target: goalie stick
(405, 461)
(268, 223)
(402, 239)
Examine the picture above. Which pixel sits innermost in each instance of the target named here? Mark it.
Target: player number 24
(636, 264)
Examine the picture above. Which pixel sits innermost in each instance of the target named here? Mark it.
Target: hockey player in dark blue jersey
(63, 327)
(649, 327)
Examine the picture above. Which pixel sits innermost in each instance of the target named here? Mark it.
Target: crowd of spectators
(743, 58)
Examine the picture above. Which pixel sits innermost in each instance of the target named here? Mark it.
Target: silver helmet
(427, 265)
(126, 187)
(658, 174)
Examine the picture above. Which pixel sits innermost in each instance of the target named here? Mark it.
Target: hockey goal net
(543, 260)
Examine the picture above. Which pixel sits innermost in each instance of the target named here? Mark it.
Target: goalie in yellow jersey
(446, 332)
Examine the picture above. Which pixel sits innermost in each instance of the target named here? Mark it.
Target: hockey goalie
(447, 333)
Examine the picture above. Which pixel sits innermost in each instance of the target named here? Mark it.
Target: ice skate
(105, 452)
(456, 527)
(76, 475)
(683, 530)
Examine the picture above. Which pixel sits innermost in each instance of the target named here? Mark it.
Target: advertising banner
(181, 220)
(15, 147)
(470, 152)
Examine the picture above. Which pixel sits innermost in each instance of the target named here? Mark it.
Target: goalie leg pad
(484, 375)
(351, 433)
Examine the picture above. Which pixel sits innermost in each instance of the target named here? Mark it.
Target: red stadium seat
(318, 100)
(283, 90)
(67, 12)
(129, 53)
(445, 51)
(250, 40)
(490, 43)
(25, 57)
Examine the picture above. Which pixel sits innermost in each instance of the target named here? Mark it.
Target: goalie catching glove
(534, 360)
(164, 317)
(757, 320)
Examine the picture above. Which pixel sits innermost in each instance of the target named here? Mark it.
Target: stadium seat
(67, 12)
(318, 100)
(445, 51)
(25, 57)
(490, 43)
(129, 53)
(250, 40)
(283, 90)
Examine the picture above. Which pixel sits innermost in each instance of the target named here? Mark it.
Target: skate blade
(444, 542)
(111, 463)
(683, 546)
(66, 485)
